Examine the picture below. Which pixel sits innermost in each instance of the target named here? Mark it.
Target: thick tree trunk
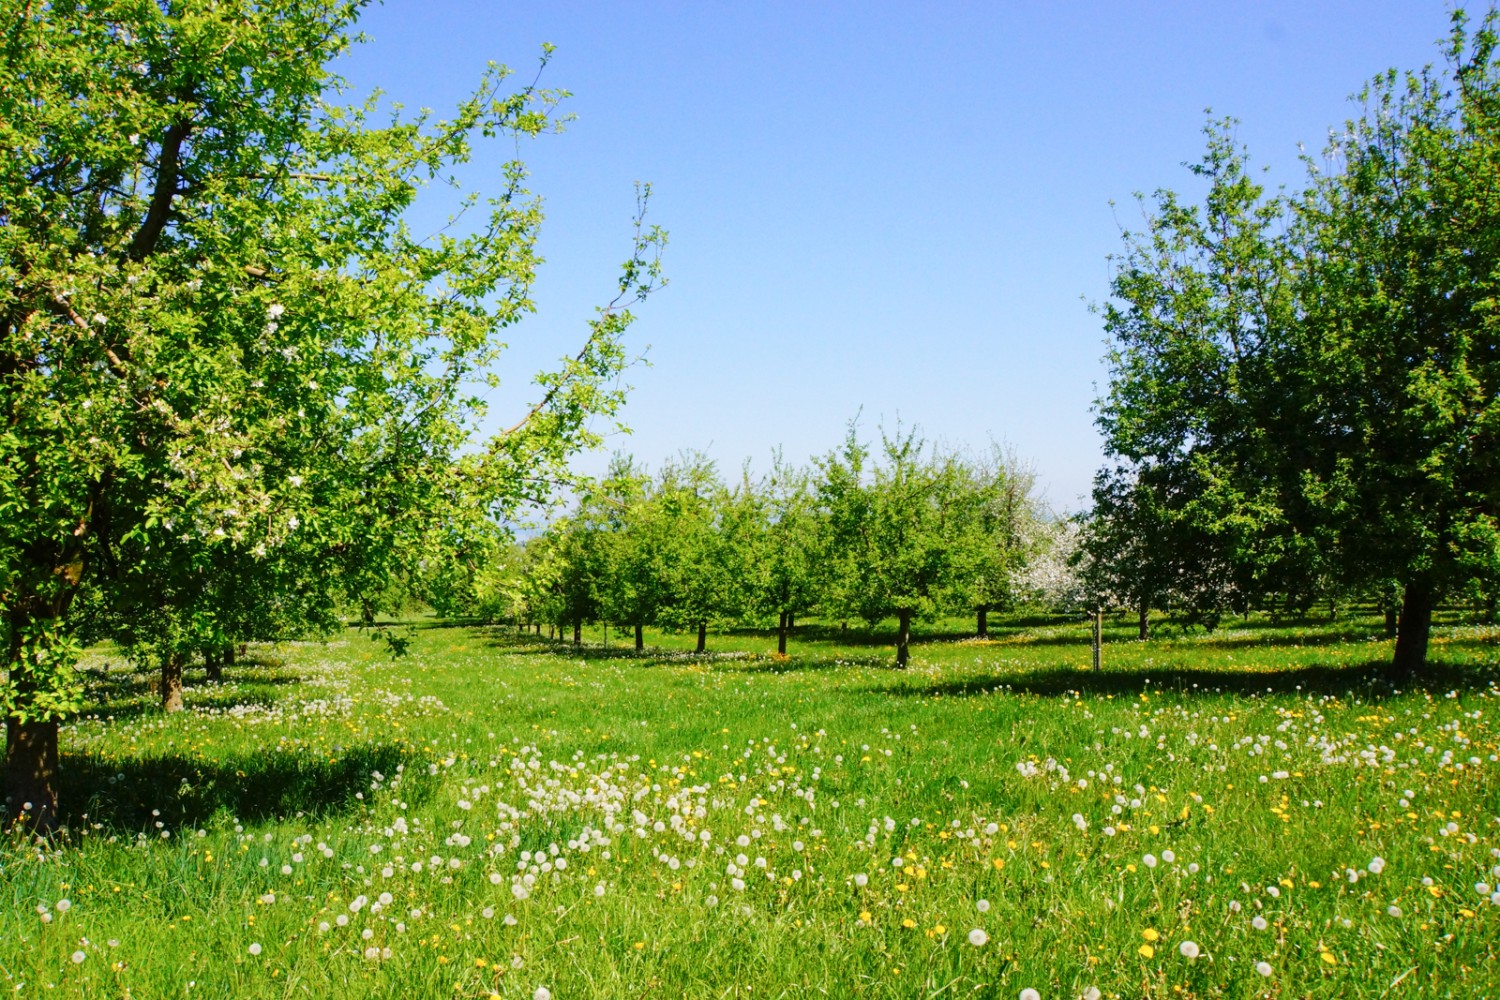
(640, 639)
(30, 776)
(781, 627)
(213, 665)
(578, 633)
(171, 682)
(702, 637)
(229, 655)
(1413, 628)
(1143, 631)
(903, 637)
(982, 627)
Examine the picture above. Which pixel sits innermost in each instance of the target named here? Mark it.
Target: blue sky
(895, 210)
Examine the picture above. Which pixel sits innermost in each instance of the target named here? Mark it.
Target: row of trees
(237, 389)
(904, 531)
(1305, 388)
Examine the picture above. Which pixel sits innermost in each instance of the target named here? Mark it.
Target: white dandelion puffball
(978, 938)
(542, 993)
(1264, 968)
(1377, 865)
(78, 957)
(1259, 923)
(1189, 949)
(1149, 861)
(1030, 994)
(255, 948)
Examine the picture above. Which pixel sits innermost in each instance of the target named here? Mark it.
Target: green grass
(1258, 758)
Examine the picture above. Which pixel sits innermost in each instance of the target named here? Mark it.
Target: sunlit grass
(332, 823)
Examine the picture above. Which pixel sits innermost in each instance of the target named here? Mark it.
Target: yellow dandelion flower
(1328, 957)
(908, 923)
(1146, 951)
(1150, 935)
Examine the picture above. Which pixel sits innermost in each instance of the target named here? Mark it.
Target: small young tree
(903, 530)
(689, 503)
(776, 531)
(1003, 534)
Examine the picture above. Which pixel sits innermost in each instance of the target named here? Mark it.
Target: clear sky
(902, 210)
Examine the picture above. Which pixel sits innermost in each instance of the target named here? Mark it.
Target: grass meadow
(1252, 813)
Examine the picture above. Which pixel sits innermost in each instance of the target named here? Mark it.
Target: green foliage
(1303, 394)
(906, 535)
(237, 388)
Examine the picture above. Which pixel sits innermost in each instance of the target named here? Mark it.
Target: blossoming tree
(221, 343)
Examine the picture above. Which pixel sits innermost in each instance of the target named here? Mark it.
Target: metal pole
(1098, 636)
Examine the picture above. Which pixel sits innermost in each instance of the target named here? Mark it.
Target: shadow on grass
(134, 794)
(125, 694)
(1371, 680)
(737, 660)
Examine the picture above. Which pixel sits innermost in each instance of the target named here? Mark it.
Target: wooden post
(1098, 637)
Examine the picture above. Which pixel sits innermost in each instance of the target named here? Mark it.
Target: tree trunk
(229, 655)
(702, 637)
(578, 633)
(213, 665)
(171, 682)
(1143, 632)
(781, 633)
(538, 628)
(30, 776)
(640, 639)
(791, 621)
(1333, 609)
(1413, 628)
(982, 627)
(1390, 621)
(903, 637)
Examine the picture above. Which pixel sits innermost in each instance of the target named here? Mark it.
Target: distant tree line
(903, 530)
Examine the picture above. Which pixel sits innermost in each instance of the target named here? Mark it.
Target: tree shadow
(136, 793)
(1372, 680)
(124, 694)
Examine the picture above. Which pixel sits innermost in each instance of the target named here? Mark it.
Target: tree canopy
(1305, 390)
(224, 352)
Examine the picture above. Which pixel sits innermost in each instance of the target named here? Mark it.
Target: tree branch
(161, 198)
(63, 309)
